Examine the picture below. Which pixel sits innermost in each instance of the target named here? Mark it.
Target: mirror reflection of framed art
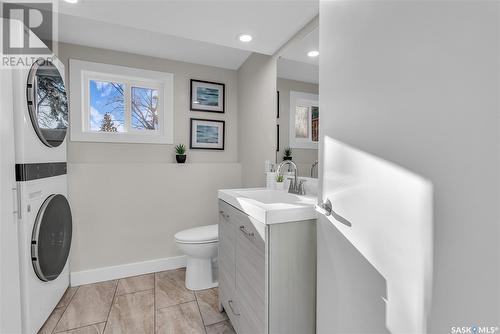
(304, 120)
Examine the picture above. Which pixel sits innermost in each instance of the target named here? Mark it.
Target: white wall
(129, 200)
(257, 117)
(304, 158)
(375, 251)
(417, 83)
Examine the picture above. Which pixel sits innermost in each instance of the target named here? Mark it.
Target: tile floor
(152, 303)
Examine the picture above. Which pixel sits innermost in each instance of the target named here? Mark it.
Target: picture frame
(277, 137)
(278, 104)
(207, 134)
(207, 96)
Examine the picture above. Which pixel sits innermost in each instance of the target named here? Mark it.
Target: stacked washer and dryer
(44, 215)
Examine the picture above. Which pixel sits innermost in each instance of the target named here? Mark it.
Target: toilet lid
(202, 234)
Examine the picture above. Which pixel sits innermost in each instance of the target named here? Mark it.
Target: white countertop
(271, 206)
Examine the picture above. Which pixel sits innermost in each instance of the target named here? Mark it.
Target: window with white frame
(120, 104)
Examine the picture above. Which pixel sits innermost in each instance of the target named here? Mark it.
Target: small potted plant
(180, 153)
(280, 184)
(288, 154)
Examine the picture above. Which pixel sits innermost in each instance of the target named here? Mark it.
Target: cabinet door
(250, 275)
(227, 244)
(226, 261)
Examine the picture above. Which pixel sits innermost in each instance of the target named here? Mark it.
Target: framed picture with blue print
(207, 96)
(207, 134)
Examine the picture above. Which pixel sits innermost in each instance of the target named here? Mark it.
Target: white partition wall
(10, 299)
(410, 88)
(375, 250)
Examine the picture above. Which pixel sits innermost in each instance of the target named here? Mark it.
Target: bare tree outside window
(108, 107)
(144, 108)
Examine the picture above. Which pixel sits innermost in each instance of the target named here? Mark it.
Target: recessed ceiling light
(71, 1)
(313, 53)
(245, 38)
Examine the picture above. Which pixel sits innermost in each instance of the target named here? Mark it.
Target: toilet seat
(198, 235)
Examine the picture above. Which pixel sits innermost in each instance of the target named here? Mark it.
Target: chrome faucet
(315, 164)
(296, 186)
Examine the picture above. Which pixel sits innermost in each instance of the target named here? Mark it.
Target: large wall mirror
(298, 114)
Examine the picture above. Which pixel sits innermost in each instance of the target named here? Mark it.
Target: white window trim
(80, 74)
(302, 99)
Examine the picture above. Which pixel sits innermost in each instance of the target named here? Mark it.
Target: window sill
(121, 138)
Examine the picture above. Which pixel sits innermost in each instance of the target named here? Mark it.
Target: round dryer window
(51, 239)
(47, 103)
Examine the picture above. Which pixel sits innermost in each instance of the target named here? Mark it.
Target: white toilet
(200, 244)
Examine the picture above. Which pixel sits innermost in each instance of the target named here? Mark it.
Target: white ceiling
(76, 30)
(203, 31)
(295, 64)
(295, 70)
(298, 51)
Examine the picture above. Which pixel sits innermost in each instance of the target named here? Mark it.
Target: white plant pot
(280, 185)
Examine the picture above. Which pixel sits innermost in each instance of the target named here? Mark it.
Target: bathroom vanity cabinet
(267, 273)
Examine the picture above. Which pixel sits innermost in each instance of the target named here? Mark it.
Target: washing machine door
(51, 238)
(47, 103)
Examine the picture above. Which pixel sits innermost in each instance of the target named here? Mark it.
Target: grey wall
(183, 72)
(257, 117)
(302, 157)
(129, 212)
(417, 83)
(128, 200)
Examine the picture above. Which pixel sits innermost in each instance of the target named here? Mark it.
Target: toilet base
(200, 274)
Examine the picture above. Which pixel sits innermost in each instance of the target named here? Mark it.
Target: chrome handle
(230, 302)
(244, 230)
(223, 214)
(327, 206)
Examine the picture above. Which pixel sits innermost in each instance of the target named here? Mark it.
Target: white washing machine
(45, 225)
(44, 243)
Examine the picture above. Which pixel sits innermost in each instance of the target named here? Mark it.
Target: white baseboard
(126, 270)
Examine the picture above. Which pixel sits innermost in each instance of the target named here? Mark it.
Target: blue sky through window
(106, 98)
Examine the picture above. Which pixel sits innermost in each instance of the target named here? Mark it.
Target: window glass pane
(301, 122)
(144, 108)
(107, 106)
(315, 123)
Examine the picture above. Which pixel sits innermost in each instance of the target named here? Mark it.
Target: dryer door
(51, 238)
(47, 103)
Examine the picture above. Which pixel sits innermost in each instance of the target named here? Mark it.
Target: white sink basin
(270, 206)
